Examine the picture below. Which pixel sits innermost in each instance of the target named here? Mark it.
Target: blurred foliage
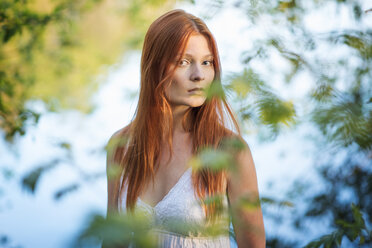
(30, 180)
(353, 231)
(212, 159)
(341, 88)
(258, 102)
(342, 204)
(335, 65)
(66, 190)
(54, 51)
(57, 51)
(6, 242)
(117, 231)
(122, 229)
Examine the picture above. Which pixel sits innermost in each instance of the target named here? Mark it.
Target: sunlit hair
(152, 123)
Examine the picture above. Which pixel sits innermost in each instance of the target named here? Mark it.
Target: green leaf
(215, 90)
(62, 192)
(272, 201)
(274, 111)
(212, 159)
(30, 180)
(117, 230)
(65, 145)
(326, 240)
(358, 217)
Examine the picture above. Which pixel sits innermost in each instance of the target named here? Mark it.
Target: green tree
(55, 51)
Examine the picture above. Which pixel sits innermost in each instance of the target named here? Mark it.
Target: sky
(38, 220)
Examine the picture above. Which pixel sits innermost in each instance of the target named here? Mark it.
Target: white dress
(179, 204)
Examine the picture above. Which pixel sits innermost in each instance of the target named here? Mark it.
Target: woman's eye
(184, 62)
(208, 62)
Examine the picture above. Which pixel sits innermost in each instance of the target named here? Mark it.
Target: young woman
(174, 122)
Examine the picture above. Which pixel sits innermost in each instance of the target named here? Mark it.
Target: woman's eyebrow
(205, 56)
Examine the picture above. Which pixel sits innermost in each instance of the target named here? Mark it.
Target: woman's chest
(179, 204)
(170, 169)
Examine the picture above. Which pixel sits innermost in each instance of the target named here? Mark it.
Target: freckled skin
(194, 70)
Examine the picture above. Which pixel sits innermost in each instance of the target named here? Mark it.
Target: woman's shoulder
(122, 132)
(116, 145)
(119, 137)
(233, 140)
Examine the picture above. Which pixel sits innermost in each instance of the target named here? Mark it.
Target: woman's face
(193, 74)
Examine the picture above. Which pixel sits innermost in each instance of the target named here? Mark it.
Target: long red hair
(152, 123)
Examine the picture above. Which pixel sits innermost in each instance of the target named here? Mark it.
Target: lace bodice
(179, 205)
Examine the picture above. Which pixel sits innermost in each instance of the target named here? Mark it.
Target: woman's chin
(193, 103)
(197, 104)
(196, 101)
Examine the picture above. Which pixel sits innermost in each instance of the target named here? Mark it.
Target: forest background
(298, 74)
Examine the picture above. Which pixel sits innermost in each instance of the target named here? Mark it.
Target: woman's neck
(178, 113)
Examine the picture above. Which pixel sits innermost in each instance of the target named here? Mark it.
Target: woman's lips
(195, 90)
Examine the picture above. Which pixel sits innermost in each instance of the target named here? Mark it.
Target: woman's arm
(115, 148)
(112, 172)
(242, 184)
(110, 167)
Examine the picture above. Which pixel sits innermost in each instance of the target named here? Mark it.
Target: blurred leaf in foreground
(62, 192)
(31, 179)
(117, 230)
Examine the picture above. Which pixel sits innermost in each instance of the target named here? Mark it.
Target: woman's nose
(197, 74)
